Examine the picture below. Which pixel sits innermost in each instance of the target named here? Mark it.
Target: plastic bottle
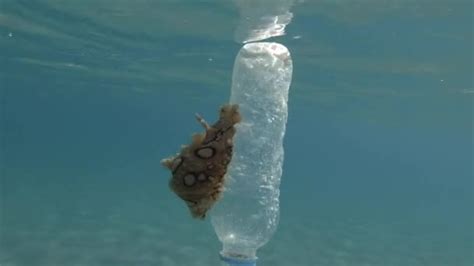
(248, 214)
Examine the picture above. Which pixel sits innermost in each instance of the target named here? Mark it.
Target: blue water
(378, 152)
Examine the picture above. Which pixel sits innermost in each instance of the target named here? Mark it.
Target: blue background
(378, 152)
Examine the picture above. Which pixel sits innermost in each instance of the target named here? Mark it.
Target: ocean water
(378, 150)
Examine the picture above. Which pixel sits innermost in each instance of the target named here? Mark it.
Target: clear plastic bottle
(247, 216)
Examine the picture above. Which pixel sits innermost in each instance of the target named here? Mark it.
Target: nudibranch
(199, 169)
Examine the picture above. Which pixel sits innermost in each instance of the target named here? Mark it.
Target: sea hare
(199, 169)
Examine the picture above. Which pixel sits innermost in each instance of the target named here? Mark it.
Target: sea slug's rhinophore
(198, 171)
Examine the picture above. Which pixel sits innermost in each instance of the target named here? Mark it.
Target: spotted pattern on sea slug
(199, 169)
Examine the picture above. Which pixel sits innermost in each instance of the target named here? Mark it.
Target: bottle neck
(235, 260)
